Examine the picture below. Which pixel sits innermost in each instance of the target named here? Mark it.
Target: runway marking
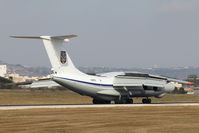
(20, 107)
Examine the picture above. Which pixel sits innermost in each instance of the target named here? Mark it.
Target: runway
(54, 106)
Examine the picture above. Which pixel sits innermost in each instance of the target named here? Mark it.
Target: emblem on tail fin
(63, 57)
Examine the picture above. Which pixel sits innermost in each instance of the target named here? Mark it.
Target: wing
(180, 81)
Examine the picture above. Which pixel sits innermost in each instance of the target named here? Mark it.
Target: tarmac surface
(54, 106)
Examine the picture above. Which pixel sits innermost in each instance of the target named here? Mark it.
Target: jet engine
(169, 87)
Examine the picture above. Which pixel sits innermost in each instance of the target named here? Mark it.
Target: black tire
(124, 101)
(148, 100)
(145, 101)
(129, 101)
(96, 101)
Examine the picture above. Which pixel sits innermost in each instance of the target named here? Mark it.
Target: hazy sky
(115, 33)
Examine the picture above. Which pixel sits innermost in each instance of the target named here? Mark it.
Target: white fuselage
(90, 85)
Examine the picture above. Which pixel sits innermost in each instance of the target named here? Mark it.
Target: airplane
(120, 87)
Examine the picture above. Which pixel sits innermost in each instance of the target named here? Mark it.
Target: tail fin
(56, 51)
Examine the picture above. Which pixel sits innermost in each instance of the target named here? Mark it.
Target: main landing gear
(97, 101)
(124, 101)
(121, 101)
(146, 100)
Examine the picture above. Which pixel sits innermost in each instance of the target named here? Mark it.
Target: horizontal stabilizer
(44, 83)
(46, 37)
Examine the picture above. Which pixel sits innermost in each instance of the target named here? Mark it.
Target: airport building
(3, 70)
(18, 78)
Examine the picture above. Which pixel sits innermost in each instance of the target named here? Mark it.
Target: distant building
(18, 78)
(187, 87)
(3, 70)
(196, 90)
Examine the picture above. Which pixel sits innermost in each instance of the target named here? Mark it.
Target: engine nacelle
(154, 88)
(158, 88)
(169, 87)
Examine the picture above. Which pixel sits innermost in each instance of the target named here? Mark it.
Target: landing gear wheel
(124, 101)
(146, 100)
(129, 101)
(96, 101)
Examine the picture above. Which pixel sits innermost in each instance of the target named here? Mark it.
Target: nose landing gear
(146, 100)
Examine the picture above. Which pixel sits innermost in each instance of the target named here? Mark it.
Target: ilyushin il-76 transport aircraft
(119, 87)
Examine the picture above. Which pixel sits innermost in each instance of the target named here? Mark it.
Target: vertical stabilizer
(56, 51)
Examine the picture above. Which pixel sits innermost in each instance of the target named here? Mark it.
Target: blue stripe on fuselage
(107, 85)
